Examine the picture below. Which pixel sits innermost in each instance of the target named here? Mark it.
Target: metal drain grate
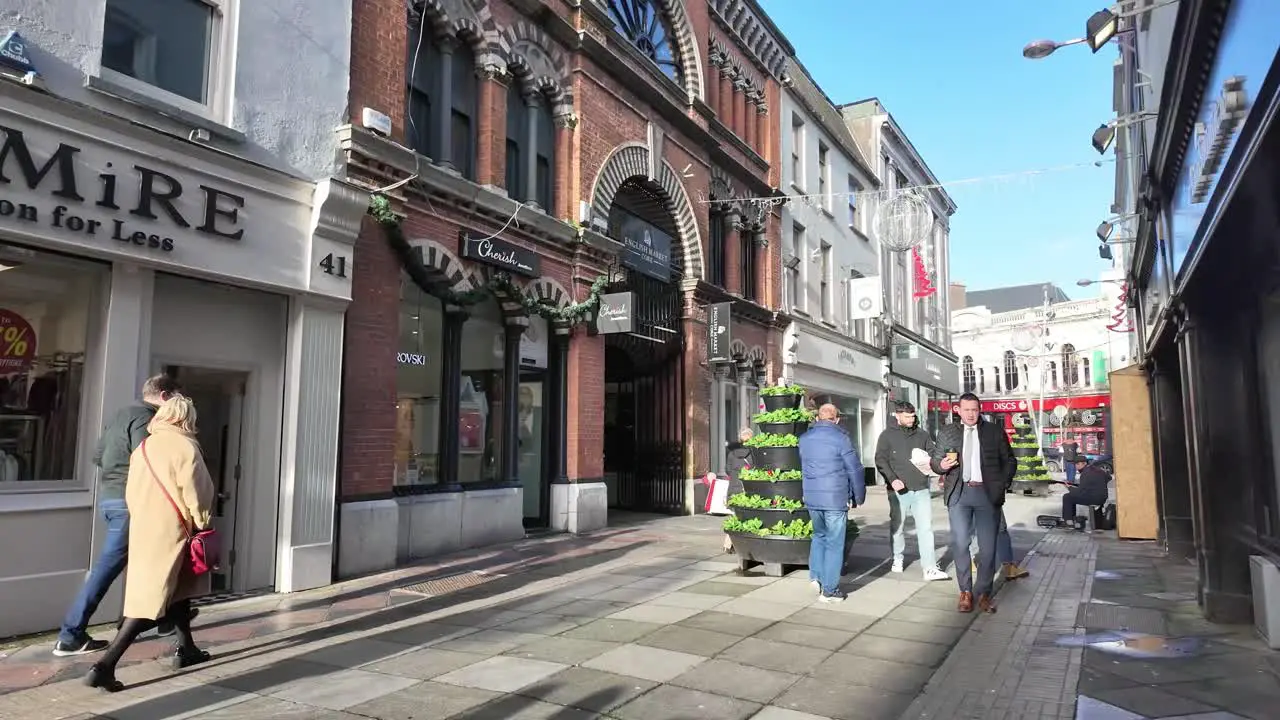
(449, 584)
(1120, 618)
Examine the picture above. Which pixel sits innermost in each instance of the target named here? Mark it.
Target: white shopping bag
(717, 495)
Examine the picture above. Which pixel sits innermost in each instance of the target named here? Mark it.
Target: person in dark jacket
(738, 457)
(833, 483)
(1092, 488)
(908, 488)
(123, 434)
(977, 466)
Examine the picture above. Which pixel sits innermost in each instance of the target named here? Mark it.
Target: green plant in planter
(759, 475)
(771, 390)
(773, 440)
(759, 502)
(1024, 445)
(785, 415)
(799, 529)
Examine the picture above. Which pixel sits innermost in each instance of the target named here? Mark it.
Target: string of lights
(775, 199)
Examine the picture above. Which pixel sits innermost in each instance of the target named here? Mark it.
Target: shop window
(1053, 376)
(644, 24)
(748, 269)
(178, 51)
(426, 106)
(966, 369)
(1085, 373)
(480, 412)
(715, 247)
(545, 157)
(516, 137)
(47, 305)
(418, 384)
(1011, 378)
(465, 90)
(1070, 366)
(982, 380)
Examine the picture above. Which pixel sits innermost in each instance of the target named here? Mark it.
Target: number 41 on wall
(334, 265)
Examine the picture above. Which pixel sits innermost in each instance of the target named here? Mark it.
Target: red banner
(17, 343)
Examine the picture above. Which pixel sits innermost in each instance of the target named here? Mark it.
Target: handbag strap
(181, 520)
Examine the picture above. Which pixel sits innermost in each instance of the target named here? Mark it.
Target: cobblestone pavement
(644, 620)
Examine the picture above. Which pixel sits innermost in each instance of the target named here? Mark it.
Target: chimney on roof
(956, 294)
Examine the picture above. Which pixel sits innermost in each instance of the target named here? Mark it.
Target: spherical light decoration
(903, 222)
(1024, 338)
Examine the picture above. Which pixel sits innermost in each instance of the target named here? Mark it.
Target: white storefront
(844, 374)
(125, 252)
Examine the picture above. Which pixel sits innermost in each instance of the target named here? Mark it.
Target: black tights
(179, 613)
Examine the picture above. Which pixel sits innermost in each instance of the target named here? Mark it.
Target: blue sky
(952, 74)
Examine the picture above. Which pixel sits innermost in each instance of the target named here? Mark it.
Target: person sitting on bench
(1091, 489)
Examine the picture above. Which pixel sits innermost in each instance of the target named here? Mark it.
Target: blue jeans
(826, 553)
(918, 504)
(110, 563)
(971, 513)
(1004, 543)
(1071, 472)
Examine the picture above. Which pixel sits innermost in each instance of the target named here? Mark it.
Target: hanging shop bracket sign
(615, 314)
(719, 334)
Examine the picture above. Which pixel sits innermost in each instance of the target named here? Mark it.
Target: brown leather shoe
(986, 605)
(966, 602)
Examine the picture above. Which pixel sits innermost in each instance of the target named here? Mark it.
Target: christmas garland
(500, 283)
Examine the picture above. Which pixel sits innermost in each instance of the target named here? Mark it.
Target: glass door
(533, 435)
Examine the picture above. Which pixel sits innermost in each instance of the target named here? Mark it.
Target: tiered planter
(773, 493)
(1032, 477)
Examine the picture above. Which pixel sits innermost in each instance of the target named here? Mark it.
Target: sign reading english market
(500, 254)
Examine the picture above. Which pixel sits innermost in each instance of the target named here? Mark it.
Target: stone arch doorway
(644, 426)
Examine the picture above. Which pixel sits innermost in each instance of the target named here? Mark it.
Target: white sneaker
(817, 586)
(933, 574)
(897, 566)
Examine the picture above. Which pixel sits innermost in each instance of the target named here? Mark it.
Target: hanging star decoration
(924, 286)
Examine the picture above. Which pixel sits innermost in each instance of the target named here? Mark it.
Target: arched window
(982, 380)
(967, 375)
(1070, 366)
(1011, 378)
(531, 146)
(440, 105)
(644, 24)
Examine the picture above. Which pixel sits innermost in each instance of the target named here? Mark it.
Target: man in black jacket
(1092, 488)
(908, 488)
(124, 433)
(978, 466)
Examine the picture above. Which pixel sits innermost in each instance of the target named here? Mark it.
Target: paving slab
(843, 701)
(588, 689)
(770, 655)
(342, 689)
(806, 635)
(504, 674)
(745, 682)
(726, 623)
(566, 650)
(642, 661)
(425, 701)
(669, 702)
(689, 640)
(609, 630)
(424, 664)
(654, 613)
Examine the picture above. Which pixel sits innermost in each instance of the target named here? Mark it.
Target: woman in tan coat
(158, 586)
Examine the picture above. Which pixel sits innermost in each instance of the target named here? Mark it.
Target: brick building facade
(552, 133)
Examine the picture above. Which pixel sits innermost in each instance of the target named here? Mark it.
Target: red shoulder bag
(203, 547)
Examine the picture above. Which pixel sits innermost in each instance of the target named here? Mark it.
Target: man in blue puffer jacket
(833, 483)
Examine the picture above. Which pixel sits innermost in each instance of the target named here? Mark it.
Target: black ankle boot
(100, 677)
(186, 657)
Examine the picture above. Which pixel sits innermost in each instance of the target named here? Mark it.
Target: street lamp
(1098, 31)
(1106, 132)
(1108, 226)
(1086, 282)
